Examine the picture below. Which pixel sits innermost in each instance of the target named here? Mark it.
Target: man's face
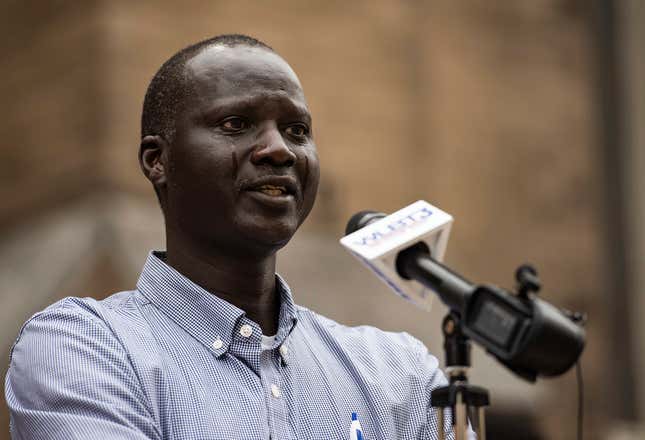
(242, 168)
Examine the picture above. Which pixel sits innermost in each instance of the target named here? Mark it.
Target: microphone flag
(378, 244)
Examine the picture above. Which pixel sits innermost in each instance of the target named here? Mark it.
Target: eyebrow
(250, 104)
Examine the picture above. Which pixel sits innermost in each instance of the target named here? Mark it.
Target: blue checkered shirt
(169, 360)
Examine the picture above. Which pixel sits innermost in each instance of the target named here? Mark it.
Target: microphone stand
(466, 401)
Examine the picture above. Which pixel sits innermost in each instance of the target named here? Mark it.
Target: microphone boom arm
(529, 336)
(416, 263)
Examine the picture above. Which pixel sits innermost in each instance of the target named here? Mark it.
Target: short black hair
(168, 89)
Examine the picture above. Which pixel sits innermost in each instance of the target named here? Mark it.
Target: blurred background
(524, 119)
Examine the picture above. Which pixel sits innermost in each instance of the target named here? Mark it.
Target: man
(210, 344)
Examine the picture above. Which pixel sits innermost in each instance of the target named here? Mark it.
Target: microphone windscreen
(362, 219)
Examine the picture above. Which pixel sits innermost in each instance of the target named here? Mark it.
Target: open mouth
(276, 187)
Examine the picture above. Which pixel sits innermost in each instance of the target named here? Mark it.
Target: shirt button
(246, 330)
(275, 391)
(284, 351)
(217, 344)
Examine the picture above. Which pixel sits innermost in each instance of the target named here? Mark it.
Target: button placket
(276, 394)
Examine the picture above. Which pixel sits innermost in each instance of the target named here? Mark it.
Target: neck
(246, 282)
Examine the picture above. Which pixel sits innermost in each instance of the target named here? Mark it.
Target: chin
(271, 235)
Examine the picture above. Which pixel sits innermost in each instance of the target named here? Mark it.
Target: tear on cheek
(234, 163)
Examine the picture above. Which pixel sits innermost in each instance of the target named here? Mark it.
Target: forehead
(222, 73)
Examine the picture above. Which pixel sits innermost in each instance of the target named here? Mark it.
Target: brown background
(520, 118)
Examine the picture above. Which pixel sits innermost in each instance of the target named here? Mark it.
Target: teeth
(272, 190)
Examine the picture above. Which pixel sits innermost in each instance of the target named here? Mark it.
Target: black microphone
(526, 334)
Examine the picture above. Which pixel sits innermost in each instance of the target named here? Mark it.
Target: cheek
(311, 179)
(313, 172)
(203, 157)
(202, 176)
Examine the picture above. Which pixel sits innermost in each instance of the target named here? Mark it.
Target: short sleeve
(70, 378)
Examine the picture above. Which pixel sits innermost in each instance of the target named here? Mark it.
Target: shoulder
(76, 318)
(71, 343)
(370, 343)
(116, 304)
(74, 336)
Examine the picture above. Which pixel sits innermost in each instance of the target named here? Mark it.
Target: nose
(271, 149)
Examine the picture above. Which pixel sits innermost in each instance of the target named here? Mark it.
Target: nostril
(276, 155)
(268, 160)
(290, 161)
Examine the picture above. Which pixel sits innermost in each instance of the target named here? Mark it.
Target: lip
(278, 202)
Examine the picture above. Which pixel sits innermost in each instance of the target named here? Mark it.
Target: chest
(306, 394)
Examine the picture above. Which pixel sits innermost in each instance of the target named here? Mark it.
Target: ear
(153, 154)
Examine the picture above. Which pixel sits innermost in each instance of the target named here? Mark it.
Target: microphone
(526, 334)
(376, 240)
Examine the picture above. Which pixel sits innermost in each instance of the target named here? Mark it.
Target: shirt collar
(203, 315)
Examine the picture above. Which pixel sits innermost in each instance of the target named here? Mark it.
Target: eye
(234, 124)
(297, 130)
